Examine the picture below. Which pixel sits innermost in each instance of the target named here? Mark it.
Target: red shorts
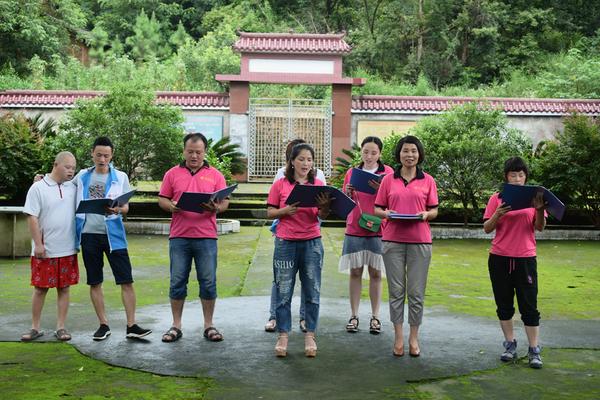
(54, 272)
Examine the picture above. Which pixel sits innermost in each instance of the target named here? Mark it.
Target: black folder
(98, 206)
(519, 197)
(342, 205)
(190, 201)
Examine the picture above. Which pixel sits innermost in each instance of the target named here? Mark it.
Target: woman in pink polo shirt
(512, 262)
(298, 248)
(407, 242)
(361, 246)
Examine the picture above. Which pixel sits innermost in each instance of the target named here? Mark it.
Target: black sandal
(212, 334)
(352, 327)
(375, 326)
(172, 335)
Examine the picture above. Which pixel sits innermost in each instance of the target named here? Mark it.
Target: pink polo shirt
(179, 179)
(304, 225)
(515, 230)
(366, 202)
(415, 196)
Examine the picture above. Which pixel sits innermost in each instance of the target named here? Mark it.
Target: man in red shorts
(50, 206)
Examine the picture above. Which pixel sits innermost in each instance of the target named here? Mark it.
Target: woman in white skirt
(362, 244)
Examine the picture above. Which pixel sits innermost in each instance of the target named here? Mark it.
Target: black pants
(510, 276)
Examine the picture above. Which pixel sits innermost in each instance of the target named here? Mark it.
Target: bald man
(50, 206)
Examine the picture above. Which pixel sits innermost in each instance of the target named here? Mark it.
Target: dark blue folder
(306, 195)
(519, 197)
(190, 201)
(98, 206)
(360, 180)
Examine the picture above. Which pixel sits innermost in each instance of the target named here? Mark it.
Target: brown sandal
(62, 335)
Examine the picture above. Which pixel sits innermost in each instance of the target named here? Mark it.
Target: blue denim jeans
(304, 257)
(204, 254)
(273, 305)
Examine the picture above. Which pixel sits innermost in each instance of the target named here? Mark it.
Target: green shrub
(20, 158)
(465, 149)
(568, 165)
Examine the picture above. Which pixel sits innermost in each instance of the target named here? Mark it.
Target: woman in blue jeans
(298, 248)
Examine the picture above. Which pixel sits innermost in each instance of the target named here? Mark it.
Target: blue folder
(306, 195)
(417, 217)
(98, 206)
(360, 180)
(519, 197)
(191, 201)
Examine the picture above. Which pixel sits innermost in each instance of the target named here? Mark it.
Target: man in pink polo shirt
(192, 235)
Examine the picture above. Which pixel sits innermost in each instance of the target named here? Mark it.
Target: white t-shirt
(54, 206)
(281, 173)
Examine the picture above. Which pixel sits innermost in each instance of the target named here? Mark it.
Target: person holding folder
(105, 234)
(512, 262)
(193, 235)
(407, 243)
(298, 247)
(361, 245)
(271, 325)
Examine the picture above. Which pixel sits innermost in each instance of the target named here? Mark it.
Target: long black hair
(378, 142)
(409, 139)
(289, 168)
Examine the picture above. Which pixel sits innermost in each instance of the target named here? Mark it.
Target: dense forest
(518, 48)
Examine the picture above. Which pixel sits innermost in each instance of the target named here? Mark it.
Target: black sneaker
(102, 333)
(135, 331)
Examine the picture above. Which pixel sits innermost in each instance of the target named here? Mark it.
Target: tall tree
(147, 42)
(42, 27)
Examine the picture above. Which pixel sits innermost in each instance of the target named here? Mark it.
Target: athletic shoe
(102, 333)
(135, 331)
(535, 359)
(510, 351)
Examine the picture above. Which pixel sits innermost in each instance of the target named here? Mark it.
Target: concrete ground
(348, 366)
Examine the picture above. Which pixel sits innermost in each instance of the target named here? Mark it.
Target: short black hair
(103, 141)
(515, 164)
(194, 137)
(409, 139)
(372, 139)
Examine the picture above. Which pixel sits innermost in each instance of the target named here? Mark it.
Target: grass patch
(568, 274)
(150, 259)
(58, 370)
(566, 374)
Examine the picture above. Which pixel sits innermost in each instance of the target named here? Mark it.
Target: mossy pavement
(460, 337)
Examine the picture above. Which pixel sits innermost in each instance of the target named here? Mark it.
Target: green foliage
(147, 42)
(34, 27)
(568, 165)
(342, 164)
(414, 47)
(20, 158)
(389, 147)
(209, 56)
(465, 149)
(223, 148)
(147, 137)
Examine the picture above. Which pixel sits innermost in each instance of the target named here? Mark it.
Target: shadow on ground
(349, 366)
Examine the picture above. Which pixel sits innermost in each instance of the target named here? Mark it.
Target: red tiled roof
(67, 98)
(292, 43)
(433, 105)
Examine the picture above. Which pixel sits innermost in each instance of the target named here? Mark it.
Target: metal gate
(274, 122)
